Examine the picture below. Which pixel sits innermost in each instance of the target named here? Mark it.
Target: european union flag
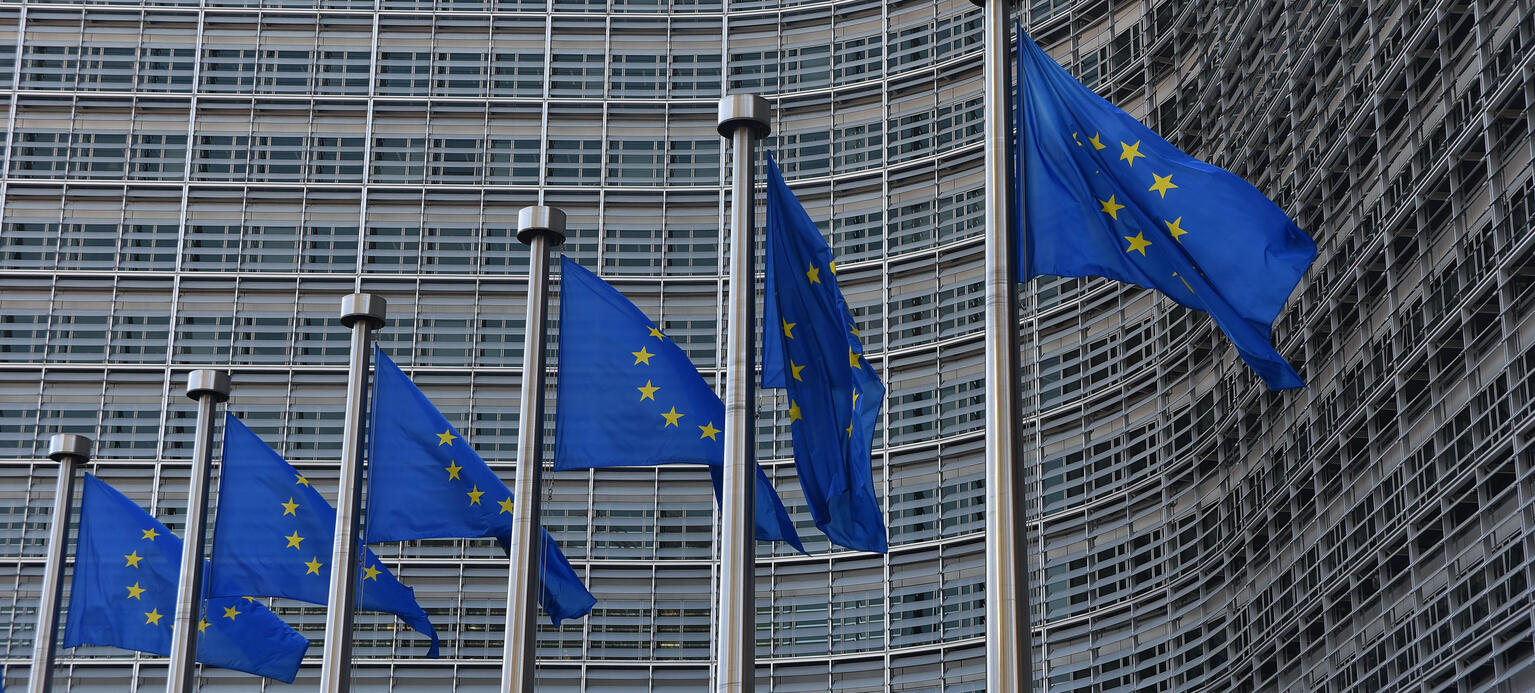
(810, 346)
(628, 395)
(1105, 196)
(275, 533)
(123, 594)
(425, 482)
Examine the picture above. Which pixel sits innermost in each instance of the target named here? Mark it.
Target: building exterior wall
(195, 186)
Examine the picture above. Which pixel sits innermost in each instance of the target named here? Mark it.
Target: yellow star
(314, 566)
(150, 534)
(671, 417)
(1162, 184)
(833, 266)
(656, 333)
(453, 470)
(133, 560)
(301, 480)
(850, 429)
(152, 617)
(293, 540)
(1097, 144)
(648, 391)
(506, 506)
(642, 356)
(1111, 208)
(709, 431)
(854, 331)
(1176, 230)
(855, 399)
(814, 273)
(1130, 151)
(852, 358)
(1138, 243)
(794, 414)
(249, 599)
(796, 368)
(289, 507)
(231, 612)
(788, 328)
(445, 438)
(1074, 139)
(370, 573)
(202, 625)
(474, 496)
(134, 591)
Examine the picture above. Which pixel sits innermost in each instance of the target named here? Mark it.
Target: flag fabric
(425, 482)
(1105, 196)
(629, 396)
(810, 347)
(275, 533)
(123, 594)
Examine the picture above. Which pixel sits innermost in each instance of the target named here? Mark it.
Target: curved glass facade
(196, 184)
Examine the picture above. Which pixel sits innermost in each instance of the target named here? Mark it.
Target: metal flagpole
(363, 313)
(744, 119)
(70, 451)
(207, 387)
(1008, 639)
(541, 228)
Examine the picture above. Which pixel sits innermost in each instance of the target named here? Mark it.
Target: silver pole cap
(540, 220)
(370, 307)
(63, 445)
(206, 381)
(749, 110)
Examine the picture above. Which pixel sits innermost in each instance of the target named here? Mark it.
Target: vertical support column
(207, 387)
(541, 228)
(70, 451)
(743, 119)
(1008, 637)
(363, 313)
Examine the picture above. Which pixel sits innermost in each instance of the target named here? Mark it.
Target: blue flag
(275, 533)
(123, 594)
(1105, 196)
(810, 347)
(426, 483)
(628, 395)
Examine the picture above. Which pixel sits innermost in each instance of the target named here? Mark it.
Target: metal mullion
(591, 503)
(884, 176)
(721, 187)
(655, 554)
(10, 119)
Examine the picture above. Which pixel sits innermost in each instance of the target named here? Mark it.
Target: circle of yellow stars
(474, 494)
(671, 418)
(1160, 184)
(854, 357)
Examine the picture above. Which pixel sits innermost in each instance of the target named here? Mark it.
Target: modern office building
(196, 183)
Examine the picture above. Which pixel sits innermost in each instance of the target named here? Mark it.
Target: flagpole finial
(63, 445)
(206, 381)
(369, 307)
(749, 110)
(539, 220)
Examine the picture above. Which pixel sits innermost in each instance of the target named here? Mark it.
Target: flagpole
(540, 228)
(70, 451)
(744, 119)
(208, 388)
(1008, 636)
(363, 313)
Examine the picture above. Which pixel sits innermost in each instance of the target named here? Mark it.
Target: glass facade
(196, 183)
